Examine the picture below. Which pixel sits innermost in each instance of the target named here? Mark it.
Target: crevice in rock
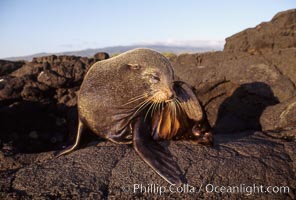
(213, 98)
(105, 189)
(188, 167)
(219, 83)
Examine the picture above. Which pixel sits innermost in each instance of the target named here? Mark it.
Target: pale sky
(35, 26)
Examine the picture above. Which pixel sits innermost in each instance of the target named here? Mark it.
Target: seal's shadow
(242, 110)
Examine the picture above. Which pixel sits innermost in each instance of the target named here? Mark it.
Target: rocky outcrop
(38, 101)
(6, 67)
(238, 84)
(274, 41)
(277, 34)
(248, 91)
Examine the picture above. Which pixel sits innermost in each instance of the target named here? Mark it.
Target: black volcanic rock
(273, 41)
(35, 91)
(101, 56)
(277, 34)
(38, 102)
(51, 79)
(248, 91)
(232, 82)
(237, 85)
(6, 67)
(280, 116)
(11, 87)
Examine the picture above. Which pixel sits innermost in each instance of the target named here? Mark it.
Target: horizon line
(210, 44)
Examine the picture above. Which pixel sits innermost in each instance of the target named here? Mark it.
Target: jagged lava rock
(279, 33)
(36, 96)
(6, 67)
(237, 84)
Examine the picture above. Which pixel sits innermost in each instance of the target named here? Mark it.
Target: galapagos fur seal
(133, 98)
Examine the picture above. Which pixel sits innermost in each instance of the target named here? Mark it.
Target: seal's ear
(189, 103)
(134, 66)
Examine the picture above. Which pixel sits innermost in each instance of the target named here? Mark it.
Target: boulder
(101, 56)
(51, 79)
(280, 116)
(6, 67)
(279, 33)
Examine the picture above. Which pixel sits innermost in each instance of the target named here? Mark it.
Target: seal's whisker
(179, 106)
(142, 106)
(154, 108)
(135, 99)
(151, 112)
(131, 101)
(170, 109)
(142, 102)
(140, 109)
(159, 96)
(175, 111)
(177, 100)
(174, 114)
(141, 95)
(156, 100)
(151, 105)
(159, 107)
(172, 104)
(176, 108)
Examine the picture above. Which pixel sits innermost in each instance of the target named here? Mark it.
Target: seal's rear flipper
(72, 148)
(156, 156)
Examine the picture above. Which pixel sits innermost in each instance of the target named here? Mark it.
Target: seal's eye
(154, 78)
(134, 66)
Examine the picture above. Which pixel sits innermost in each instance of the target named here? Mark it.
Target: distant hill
(120, 49)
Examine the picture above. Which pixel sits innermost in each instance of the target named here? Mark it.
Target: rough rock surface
(8, 66)
(236, 84)
(248, 91)
(38, 101)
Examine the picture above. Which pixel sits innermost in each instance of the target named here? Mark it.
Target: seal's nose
(171, 95)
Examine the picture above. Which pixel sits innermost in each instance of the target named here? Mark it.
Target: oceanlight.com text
(206, 188)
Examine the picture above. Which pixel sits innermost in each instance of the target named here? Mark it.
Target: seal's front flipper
(155, 155)
(71, 148)
(201, 132)
(189, 103)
